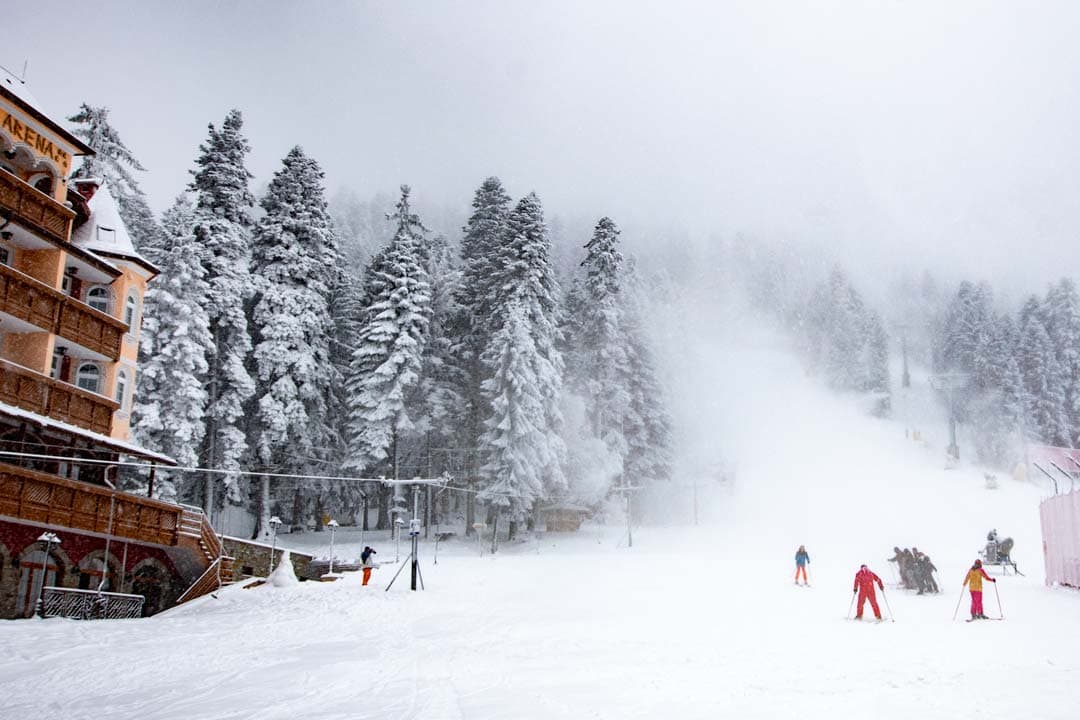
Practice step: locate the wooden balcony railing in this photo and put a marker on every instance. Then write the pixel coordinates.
(61, 401)
(90, 328)
(33, 208)
(29, 300)
(59, 502)
(35, 302)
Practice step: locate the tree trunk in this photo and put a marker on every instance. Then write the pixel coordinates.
(262, 527)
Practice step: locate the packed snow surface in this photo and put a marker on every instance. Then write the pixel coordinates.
(691, 622)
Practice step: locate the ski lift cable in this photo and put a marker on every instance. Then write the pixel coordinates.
(444, 482)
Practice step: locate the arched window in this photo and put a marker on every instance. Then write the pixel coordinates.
(131, 310)
(88, 377)
(121, 387)
(98, 298)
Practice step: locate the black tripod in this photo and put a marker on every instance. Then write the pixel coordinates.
(414, 557)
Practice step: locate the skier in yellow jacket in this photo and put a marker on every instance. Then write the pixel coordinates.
(974, 582)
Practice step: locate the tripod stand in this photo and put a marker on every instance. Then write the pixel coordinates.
(415, 560)
(414, 555)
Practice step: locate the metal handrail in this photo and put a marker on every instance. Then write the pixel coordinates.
(79, 604)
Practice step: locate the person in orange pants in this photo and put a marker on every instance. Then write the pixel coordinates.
(802, 559)
(973, 582)
(864, 585)
(366, 563)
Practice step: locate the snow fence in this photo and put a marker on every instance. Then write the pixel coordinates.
(1060, 516)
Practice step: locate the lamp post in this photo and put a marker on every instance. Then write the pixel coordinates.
(333, 525)
(275, 522)
(48, 538)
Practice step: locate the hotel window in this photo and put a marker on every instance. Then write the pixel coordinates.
(98, 298)
(121, 387)
(88, 377)
(131, 311)
(5, 256)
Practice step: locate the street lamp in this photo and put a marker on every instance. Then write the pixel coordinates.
(48, 538)
(333, 525)
(275, 523)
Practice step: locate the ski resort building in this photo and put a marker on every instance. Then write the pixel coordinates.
(71, 293)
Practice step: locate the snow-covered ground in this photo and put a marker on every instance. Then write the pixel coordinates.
(689, 623)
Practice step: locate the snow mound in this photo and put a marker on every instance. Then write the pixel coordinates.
(284, 575)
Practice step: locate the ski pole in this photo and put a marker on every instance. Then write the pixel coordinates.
(848, 617)
(885, 597)
(958, 601)
(1001, 613)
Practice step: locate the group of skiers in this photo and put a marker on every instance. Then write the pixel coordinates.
(914, 567)
(916, 570)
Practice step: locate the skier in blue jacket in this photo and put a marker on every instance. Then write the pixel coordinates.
(802, 559)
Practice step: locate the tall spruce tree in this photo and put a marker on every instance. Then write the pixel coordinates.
(222, 226)
(1062, 310)
(1044, 385)
(294, 258)
(114, 162)
(388, 358)
(169, 413)
(525, 284)
(603, 343)
(515, 432)
(481, 243)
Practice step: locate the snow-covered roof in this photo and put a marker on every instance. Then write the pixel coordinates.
(105, 232)
(112, 443)
(18, 89)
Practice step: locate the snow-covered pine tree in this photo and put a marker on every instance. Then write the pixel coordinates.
(1044, 385)
(388, 357)
(1062, 309)
(169, 412)
(999, 413)
(115, 163)
(222, 226)
(481, 243)
(515, 434)
(438, 404)
(294, 259)
(647, 426)
(524, 278)
(604, 362)
(876, 362)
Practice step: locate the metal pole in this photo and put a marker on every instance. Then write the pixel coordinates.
(414, 532)
(273, 545)
(332, 528)
(629, 530)
(44, 572)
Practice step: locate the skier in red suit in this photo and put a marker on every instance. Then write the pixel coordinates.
(864, 585)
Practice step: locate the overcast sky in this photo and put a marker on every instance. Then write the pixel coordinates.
(944, 131)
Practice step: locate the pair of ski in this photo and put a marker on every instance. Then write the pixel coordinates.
(983, 618)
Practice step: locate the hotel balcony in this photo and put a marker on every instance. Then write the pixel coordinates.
(61, 503)
(37, 393)
(42, 307)
(34, 209)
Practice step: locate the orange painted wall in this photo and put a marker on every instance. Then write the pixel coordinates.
(31, 350)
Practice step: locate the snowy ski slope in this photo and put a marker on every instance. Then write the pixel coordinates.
(690, 623)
